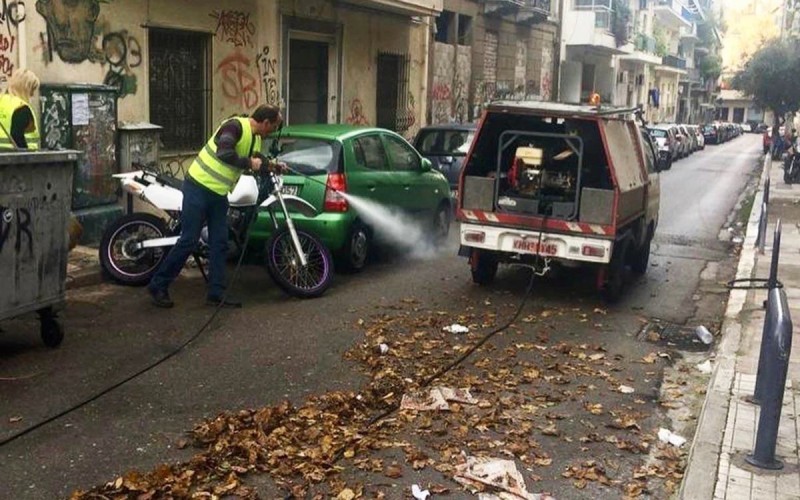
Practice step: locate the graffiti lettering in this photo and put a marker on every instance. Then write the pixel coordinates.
(238, 83)
(440, 92)
(55, 120)
(269, 76)
(357, 113)
(121, 52)
(12, 13)
(7, 46)
(21, 218)
(234, 27)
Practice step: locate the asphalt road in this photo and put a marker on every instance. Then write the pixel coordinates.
(278, 347)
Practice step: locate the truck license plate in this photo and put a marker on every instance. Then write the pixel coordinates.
(289, 190)
(533, 246)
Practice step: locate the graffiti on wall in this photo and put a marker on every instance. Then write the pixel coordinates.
(11, 15)
(546, 78)
(356, 116)
(55, 119)
(234, 27)
(121, 52)
(239, 83)
(70, 27)
(268, 68)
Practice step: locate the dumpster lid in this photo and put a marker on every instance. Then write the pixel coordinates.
(33, 157)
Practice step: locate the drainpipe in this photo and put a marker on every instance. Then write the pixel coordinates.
(556, 91)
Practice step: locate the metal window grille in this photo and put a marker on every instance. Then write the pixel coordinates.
(179, 87)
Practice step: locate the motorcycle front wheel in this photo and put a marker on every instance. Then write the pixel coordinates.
(283, 264)
(119, 257)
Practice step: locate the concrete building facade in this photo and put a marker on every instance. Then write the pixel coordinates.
(491, 49)
(185, 65)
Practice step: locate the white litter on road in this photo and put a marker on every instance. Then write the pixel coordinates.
(705, 366)
(456, 328)
(419, 493)
(501, 475)
(625, 389)
(667, 436)
(436, 399)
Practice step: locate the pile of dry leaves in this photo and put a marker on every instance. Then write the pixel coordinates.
(518, 398)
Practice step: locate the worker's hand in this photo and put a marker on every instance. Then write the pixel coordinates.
(278, 167)
(255, 164)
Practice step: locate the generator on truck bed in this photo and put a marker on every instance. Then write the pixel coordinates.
(555, 184)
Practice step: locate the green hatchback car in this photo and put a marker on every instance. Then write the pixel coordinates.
(370, 163)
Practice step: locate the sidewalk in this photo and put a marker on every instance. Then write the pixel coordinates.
(83, 268)
(727, 424)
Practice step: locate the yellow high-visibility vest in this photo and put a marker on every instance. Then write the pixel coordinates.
(8, 105)
(218, 176)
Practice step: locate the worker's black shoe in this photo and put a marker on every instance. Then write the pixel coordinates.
(226, 302)
(160, 298)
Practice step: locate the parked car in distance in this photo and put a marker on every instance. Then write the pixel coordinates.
(371, 163)
(701, 140)
(690, 139)
(665, 137)
(446, 146)
(712, 133)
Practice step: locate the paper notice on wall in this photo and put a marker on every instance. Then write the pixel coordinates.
(80, 109)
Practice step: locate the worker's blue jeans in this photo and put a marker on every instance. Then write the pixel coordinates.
(199, 205)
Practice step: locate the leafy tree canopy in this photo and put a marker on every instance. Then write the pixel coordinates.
(770, 76)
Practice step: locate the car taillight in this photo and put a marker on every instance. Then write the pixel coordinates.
(334, 201)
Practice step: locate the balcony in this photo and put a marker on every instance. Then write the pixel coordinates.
(591, 32)
(674, 62)
(673, 14)
(593, 5)
(500, 8)
(534, 11)
(411, 8)
(689, 33)
(692, 76)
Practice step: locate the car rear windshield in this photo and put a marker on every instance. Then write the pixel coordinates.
(444, 142)
(308, 156)
(656, 132)
(708, 128)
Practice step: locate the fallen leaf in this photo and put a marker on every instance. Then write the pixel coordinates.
(346, 494)
(393, 471)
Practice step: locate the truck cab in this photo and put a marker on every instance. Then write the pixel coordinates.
(548, 184)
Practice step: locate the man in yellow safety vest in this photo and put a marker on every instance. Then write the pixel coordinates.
(231, 150)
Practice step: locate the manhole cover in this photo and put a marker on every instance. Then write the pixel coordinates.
(672, 335)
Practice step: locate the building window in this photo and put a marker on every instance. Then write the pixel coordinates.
(445, 27)
(179, 87)
(464, 30)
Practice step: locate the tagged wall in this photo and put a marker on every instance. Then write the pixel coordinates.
(104, 41)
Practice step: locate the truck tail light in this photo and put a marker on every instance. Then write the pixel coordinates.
(334, 187)
(475, 236)
(593, 251)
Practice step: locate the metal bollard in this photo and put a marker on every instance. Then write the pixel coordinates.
(766, 191)
(766, 333)
(779, 349)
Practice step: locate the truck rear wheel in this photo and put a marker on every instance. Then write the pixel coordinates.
(615, 275)
(484, 267)
(640, 259)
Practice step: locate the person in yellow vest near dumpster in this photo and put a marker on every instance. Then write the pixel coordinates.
(18, 126)
(215, 171)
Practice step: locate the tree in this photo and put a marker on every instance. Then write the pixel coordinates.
(770, 76)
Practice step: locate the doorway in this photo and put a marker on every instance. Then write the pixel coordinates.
(308, 77)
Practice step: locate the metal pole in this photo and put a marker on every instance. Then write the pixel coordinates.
(780, 348)
(766, 191)
(767, 337)
(776, 255)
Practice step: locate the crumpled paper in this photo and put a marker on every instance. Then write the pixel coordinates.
(500, 475)
(436, 399)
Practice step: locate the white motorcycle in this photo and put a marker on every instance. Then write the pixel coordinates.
(134, 246)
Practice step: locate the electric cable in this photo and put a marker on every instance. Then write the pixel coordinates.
(147, 368)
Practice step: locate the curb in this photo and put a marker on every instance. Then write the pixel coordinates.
(88, 276)
(700, 477)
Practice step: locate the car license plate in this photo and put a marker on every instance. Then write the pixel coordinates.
(533, 246)
(290, 190)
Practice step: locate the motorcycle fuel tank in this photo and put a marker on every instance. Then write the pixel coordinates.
(245, 193)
